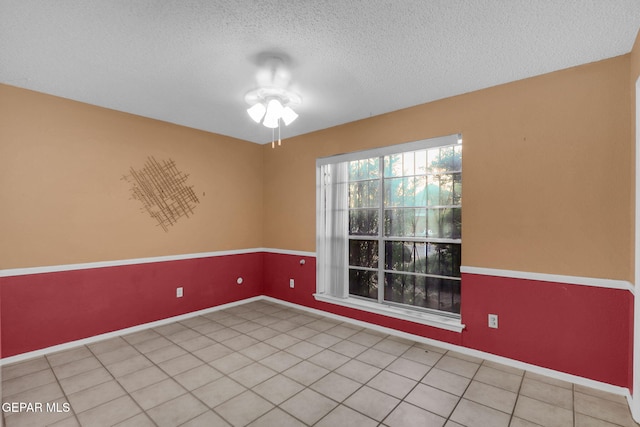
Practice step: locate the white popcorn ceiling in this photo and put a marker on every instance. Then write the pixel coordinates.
(191, 62)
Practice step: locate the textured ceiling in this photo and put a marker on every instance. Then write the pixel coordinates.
(191, 62)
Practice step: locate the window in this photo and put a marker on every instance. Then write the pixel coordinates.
(389, 226)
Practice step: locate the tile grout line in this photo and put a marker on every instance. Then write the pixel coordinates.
(418, 382)
(227, 375)
(461, 395)
(64, 393)
(205, 363)
(171, 376)
(189, 352)
(119, 384)
(515, 404)
(305, 387)
(573, 404)
(400, 400)
(361, 386)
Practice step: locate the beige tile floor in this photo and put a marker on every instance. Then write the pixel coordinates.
(265, 364)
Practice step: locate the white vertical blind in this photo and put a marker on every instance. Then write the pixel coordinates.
(333, 230)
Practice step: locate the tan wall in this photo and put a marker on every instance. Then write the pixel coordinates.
(62, 199)
(546, 171)
(634, 76)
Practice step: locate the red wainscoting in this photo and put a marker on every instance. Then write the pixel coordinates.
(42, 310)
(576, 329)
(580, 330)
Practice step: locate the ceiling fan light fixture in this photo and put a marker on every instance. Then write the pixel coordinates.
(274, 112)
(259, 100)
(288, 115)
(256, 112)
(270, 103)
(274, 107)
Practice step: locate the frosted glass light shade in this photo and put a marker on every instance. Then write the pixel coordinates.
(288, 116)
(256, 112)
(274, 112)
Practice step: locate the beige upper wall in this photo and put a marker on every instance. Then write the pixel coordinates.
(63, 201)
(634, 59)
(546, 171)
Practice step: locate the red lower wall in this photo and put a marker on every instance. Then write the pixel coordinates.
(581, 330)
(42, 310)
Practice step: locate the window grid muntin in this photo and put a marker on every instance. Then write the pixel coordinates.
(455, 178)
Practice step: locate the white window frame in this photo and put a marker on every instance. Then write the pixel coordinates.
(332, 282)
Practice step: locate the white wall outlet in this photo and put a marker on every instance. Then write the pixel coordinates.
(493, 321)
(179, 292)
(292, 283)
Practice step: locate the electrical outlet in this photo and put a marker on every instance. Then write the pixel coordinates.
(179, 292)
(493, 321)
(292, 283)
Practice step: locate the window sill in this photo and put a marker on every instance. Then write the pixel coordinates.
(428, 319)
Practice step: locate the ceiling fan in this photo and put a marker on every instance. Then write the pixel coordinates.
(271, 102)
